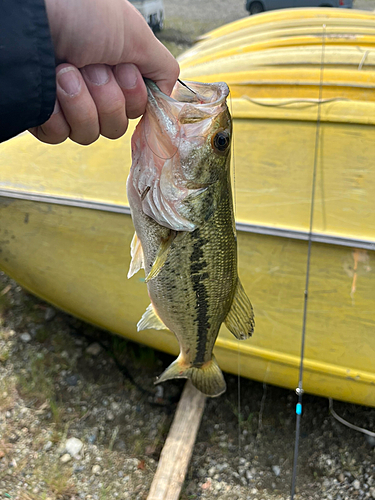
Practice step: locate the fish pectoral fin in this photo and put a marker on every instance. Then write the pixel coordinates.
(161, 256)
(150, 320)
(240, 319)
(208, 378)
(136, 253)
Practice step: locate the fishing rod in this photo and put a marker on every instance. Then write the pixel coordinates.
(299, 389)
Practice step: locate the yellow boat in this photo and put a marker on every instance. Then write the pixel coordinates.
(291, 27)
(279, 54)
(291, 18)
(65, 229)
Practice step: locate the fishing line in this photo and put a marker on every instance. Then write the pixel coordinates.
(299, 390)
(239, 396)
(348, 424)
(184, 85)
(233, 161)
(238, 342)
(288, 102)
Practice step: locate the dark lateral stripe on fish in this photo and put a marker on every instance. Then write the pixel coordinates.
(199, 288)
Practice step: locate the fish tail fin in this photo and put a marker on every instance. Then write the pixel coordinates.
(208, 378)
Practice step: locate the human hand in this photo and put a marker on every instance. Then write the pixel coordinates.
(108, 48)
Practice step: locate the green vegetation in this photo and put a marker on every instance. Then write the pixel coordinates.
(36, 382)
(58, 479)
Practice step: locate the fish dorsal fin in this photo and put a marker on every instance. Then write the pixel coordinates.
(136, 253)
(150, 320)
(162, 253)
(240, 319)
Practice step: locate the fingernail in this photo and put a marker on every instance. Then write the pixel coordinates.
(57, 108)
(126, 75)
(69, 81)
(97, 74)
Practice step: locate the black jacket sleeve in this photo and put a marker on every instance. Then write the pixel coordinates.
(27, 66)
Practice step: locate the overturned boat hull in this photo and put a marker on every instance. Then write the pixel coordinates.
(65, 232)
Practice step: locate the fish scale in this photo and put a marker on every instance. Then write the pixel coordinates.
(194, 283)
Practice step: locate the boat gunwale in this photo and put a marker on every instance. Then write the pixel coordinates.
(244, 227)
(282, 358)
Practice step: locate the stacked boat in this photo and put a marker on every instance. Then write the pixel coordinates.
(302, 87)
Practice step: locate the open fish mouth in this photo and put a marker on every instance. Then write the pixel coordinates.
(197, 93)
(190, 103)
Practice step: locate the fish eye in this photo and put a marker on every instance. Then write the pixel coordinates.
(221, 141)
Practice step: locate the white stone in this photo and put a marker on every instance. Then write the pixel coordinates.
(96, 470)
(73, 446)
(249, 475)
(94, 349)
(276, 470)
(356, 484)
(65, 458)
(217, 486)
(110, 416)
(49, 314)
(48, 446)
(25, 337)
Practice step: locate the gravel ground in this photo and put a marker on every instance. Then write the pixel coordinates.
(80, 417)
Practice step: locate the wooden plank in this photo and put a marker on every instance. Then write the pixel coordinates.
(175, 456)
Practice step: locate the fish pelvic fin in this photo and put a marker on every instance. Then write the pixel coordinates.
(136, 253)
(208, 378)
(240, 319)
(150, 319)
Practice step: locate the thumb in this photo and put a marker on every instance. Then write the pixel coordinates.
(160, 66)
(152, 58)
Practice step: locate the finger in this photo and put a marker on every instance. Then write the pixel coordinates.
(55, 130)
(161, 67)
(77, 104)
(108, 98)
(131, 82)
(151, 57)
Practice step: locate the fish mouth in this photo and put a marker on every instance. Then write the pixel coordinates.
(190, 103)
(207, 99)
(197, 93)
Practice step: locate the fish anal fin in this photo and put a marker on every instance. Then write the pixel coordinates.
(208, 378)
(136, 253)
(161, 256)
(150, 320)
(240, 319)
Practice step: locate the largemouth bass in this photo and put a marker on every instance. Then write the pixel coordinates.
(179, 192)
